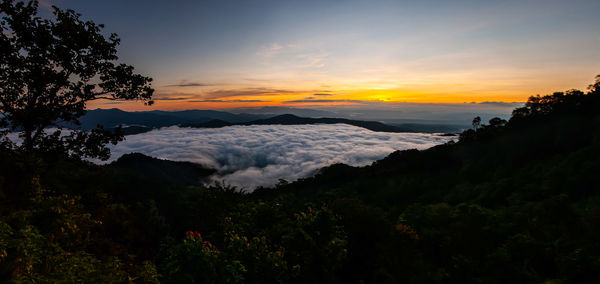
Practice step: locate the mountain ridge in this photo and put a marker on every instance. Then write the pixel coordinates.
(290, 119)
(143, 121)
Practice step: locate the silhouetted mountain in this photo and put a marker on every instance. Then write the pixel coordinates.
(290, 119)
(135, 129)
(110, 118)
(517, 200)
(431, 127)
(215, 123)
(140, 122)
(279, 110)
(172, 172)
(194, 116)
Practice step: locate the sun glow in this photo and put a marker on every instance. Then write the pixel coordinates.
(338, 92)
(308, 98)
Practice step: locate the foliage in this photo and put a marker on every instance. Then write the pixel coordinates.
(300, 247)
(199, 261)
(50, 240)
(50, 70)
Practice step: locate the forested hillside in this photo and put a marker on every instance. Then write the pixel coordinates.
(511, 201)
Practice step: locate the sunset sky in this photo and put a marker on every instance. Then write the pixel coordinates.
(222, 54)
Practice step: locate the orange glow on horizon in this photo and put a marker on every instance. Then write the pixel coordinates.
(303, 99)
(301, 90)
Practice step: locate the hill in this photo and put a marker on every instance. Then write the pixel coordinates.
(110, 118)
(174, 173)
(513, 201)
(290, 119)
(271, 111)
(140, 122)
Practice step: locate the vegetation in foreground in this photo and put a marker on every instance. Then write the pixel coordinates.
(511, 201)
(514, 201)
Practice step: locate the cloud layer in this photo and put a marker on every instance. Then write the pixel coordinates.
(259, 155)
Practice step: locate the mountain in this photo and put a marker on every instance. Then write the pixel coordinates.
(206, 115)
(290, 119)
(431, 127)
(279, 110)
(110, 118)
(172, 172)
(510, 202)
(143, 121)
(215, 123)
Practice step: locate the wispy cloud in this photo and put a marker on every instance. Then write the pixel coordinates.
(226, 101)
(504, 104)
(259, 80)
(243, 92)
(312, 60)
(292, 56)
(310, 100)
(270, 50)
(322, 94)
(189, 84)
(169, 98)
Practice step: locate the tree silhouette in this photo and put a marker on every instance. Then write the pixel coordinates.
(595, 88)
(476, 122)
(497, 122)
(50, 69)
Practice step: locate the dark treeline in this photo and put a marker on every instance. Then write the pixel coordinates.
(511, 201)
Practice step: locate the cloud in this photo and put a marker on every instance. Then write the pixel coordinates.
(311, 100)
(169, 99)
(322, 94)
(292, 56)
(226, 101)
(504, 104)
(190, 84)
(259, 155)
(243, 92)
(270, 50)
(313, 59)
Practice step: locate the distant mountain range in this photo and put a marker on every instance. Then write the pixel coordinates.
(140, 122)
(153, 119)
(279, 110)
(290, 119)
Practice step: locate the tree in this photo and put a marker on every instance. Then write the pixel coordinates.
(50, 69)
(476, 122)
(497, 122)
(595, 88)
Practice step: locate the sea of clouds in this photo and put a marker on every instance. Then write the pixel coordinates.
(260, 155)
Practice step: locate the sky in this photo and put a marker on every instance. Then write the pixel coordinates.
(232, 54)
